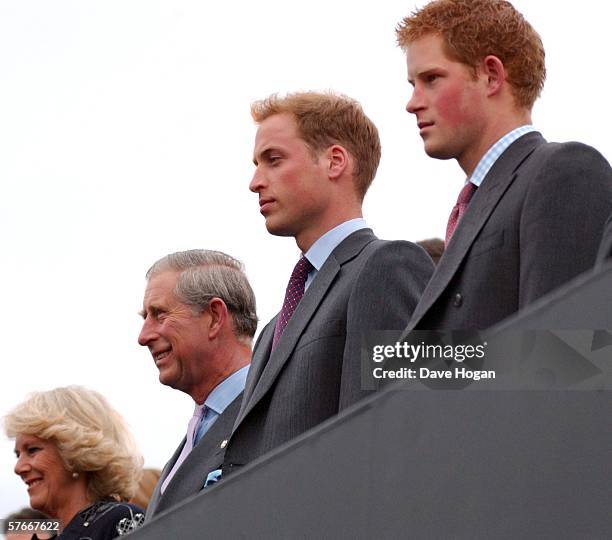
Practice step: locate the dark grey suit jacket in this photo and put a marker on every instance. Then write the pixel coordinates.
(204, 458)
(365, 284)
(534, 223)
(605, 248)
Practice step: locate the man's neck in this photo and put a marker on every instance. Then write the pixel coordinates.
(499, 126)
(307, 238)
(235, 357)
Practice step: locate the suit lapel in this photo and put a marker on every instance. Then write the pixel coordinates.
(189, 478)
(267, 372)
(155, 497)
(495, 184)
(260, 355)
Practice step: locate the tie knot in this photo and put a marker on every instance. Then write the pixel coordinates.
(302, 269)
(199, 411)
(459, 209)
(466, 193)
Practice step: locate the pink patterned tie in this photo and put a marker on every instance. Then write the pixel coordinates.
(293, 295)
(459, 209)
(198, 414)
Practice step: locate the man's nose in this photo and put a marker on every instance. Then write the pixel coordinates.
(415, 103)
(147, 332)
(257, 182)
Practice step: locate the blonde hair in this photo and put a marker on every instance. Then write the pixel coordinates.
(146, 487)
(324, 119)
(91, 437)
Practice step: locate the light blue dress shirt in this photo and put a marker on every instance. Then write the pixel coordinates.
(217, 401)
(322, 248)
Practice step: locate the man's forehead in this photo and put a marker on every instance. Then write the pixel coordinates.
(426, 52)
(161, 285)
(275, 129)
(278, 122)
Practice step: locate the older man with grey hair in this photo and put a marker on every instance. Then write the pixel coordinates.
(199, 320)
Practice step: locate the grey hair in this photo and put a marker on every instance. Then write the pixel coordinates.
(206, 274)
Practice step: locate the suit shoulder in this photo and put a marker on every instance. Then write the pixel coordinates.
(397, 247)
(395, 265)
(572, 156)
(389, 251)
(555, 165)
(573, 147)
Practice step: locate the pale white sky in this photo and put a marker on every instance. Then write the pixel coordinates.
(125, 134)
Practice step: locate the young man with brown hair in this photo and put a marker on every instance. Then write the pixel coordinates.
(315, 156)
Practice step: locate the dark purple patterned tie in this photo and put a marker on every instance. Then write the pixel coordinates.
(459, 209)
(293, 295)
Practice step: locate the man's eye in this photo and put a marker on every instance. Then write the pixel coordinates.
(153, 313)
(432, 77)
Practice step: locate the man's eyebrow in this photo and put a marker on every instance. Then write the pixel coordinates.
(263, 154)
(430, 70)
(152, 309)
(425, 72)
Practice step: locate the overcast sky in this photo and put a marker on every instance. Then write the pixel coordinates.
(125, 134)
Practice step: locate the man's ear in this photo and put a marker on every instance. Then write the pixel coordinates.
(218, 315)
(338, 161)
(495, 73)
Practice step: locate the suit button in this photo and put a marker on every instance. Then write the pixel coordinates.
(458, 300)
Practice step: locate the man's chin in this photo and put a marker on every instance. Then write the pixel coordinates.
(277, 229)
(431, 150)
(167, 379)
(435, 152)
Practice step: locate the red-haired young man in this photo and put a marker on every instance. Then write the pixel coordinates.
(531, 213)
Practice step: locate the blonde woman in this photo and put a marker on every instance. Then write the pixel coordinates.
(78, 461)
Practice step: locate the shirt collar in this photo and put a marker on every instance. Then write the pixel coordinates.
(227, 391)
(488, 160)
(321, 249)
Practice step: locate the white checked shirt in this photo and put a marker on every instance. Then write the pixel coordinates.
(488, 160)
